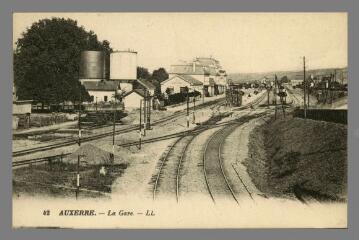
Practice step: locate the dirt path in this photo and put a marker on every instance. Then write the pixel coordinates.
(235, 151)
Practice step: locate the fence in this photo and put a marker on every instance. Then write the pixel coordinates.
(328, 115)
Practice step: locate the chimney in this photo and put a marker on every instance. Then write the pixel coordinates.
(194, 66)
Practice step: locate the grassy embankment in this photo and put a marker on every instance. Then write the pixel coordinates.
(292, 154)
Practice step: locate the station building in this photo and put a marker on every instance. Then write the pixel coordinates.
(208, 71)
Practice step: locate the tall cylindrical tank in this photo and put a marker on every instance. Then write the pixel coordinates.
(123, 65)
(92, 65)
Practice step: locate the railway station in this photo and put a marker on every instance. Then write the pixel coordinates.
(188, 124)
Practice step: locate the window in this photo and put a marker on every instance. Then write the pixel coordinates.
(105, 98)
(183, 89)
(170, 90)
(92, 98)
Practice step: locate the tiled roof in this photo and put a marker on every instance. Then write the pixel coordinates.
(101, 85)
(146, 84)
(191, 80)
(139, 91)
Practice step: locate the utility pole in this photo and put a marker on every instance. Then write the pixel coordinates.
(304, 89)
(308, 93)
(96, 104)
(144, 115)
(268, 89)
(78, 156)
(204, 78)
(140, 130)
(335, 75)
(187, 109)
(194, 110)
(149, 111)
(114, 127)
(275, 96)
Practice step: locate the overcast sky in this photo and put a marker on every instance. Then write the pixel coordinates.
(242, 42)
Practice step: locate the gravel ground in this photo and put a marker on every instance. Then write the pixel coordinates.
(138, 177)
(234, 152)
(192, 184)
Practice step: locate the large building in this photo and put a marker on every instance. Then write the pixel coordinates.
(206, 70)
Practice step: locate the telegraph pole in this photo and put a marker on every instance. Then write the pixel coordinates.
(114, 128)
(194, 109)
(78, 156)
(275, 97)
(304, 89)
(308, 93)
(140, 130)
(144, 115)
(187, 109)
(149, 112)
(268, 89)
(96, 104)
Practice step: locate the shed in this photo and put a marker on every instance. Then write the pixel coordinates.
(133, 98)
(102, 91)
(178, 83)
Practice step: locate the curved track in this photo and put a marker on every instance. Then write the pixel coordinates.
(216, 180)
(171, 166)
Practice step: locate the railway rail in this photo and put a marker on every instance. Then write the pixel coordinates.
(176, 151)
(296, 99)
(103, 135)
(215, 177)
(171, 164)
(129, 144)
(135, 143)
(39, 160)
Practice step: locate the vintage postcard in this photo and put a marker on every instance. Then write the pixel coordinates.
(180, 120)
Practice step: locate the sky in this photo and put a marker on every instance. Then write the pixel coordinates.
(242, 42)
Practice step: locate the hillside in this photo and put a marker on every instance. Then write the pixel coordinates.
(244, 77)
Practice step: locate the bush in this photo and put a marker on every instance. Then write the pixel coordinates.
(180, 97)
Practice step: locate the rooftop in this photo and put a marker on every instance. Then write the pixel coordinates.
(146, 83)
(139, 91)
(191, 80)
(101, 85)
(188, 69)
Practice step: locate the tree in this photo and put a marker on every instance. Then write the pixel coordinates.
(158, 76)
(47, 59)
(143, 73)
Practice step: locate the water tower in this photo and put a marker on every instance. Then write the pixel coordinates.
(123, 68)
(93, 66)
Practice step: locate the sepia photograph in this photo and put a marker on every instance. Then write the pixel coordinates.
(180, 120)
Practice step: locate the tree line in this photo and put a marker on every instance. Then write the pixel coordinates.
(47, 58)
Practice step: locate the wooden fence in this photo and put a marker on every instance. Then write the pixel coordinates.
(328, 115)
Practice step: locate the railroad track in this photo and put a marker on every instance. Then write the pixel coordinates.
(216, 180)
(103, 135)
(298, 101)
(248, 105)
(39, 160)
(171, 166)
(129, 144)
(146, 141)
